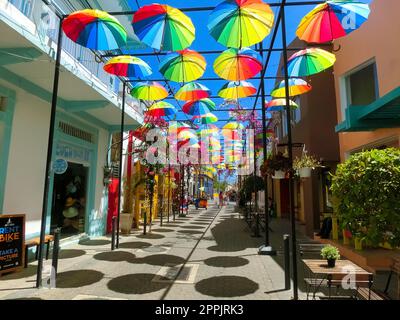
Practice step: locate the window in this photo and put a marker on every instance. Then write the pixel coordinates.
(296, 114)
(361, 86)
(27, 8)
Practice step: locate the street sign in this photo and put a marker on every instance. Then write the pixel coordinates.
(12, 242)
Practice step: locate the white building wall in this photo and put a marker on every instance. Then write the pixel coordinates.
(27, 159)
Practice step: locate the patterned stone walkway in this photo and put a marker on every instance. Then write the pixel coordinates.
(206, 255)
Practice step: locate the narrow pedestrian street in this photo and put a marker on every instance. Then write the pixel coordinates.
(212, 251)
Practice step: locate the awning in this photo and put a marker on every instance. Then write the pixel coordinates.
(383, 113)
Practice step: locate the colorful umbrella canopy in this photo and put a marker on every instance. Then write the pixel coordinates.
(240, 23)
(127, 66)
(236, 90)
(187, 134)
(183, 66)
(237, 64)
(332, 20)
(149, 91)
(95, 29)
(280, 104)
(192, 91)
(161, 109)
(233, 126)
(163, 27)
(199, 107)
(207, 129)
(206, 118)
(310, 61)
(296, 87)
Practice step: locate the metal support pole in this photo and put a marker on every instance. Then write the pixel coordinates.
(56, 250)
(169, 191)
(49, 156)
(257, 227)
(113, 233)
(289, 129)
(266, 249)
(286, 252)
(120, 160)
(182, 188)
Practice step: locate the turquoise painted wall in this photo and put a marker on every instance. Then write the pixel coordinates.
(6, 118)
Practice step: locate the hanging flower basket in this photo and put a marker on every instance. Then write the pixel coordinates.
(276, 166)
(305, 165)
(279, 175)
(305, 172)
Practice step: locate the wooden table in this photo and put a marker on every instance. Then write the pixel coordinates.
(320, 271)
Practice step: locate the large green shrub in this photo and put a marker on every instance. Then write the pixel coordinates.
(367, 192)
(250, 184)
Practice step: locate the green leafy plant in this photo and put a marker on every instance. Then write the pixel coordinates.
(305, 161)
(330, 253)
(367, 190)
(275, 163)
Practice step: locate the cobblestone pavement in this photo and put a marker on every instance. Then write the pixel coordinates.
(212, 252)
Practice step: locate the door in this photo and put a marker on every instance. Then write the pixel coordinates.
(69, 200)
(285, 199)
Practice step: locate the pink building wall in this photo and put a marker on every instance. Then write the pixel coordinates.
(379, 39)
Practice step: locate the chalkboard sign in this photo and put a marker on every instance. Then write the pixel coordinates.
(12, 242)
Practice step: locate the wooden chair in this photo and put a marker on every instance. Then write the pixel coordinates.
(313, 251)
(35, 242)
(370, 294)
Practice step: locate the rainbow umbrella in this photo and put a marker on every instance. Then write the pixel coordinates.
(206, 118)
(186, 134)
(183, 66)
(296, 87)
(207, 129)
(192, 91)
(149, 91)
(95, 29)
(163, 27)
(233, 126)
(127, 66)
(240, 23)
(310, 61)
(332, 20)
(237, 64)
(236, 90)
(161, 109)
(199, 107)
(280, 104)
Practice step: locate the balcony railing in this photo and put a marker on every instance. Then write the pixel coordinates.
(47, 25)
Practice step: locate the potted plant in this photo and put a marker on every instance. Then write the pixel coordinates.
(305, 165)
(331, 254)
(276, 166)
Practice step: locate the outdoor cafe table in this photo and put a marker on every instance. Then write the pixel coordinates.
(320, 271)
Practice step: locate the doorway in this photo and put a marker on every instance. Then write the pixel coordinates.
(69, 200)
(284, 193)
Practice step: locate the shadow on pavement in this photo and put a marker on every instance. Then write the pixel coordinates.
(78, 278)
(115, 256)
(25, 273)
(226, 286)
(150, 236)
(230, 236)
(70, 253)
(139, 283)
(163, 230)
(159, 260)
(98, 242)
(134, 245)
(226, 262)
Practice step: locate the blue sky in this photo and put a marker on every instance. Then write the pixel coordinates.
(204, 41)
